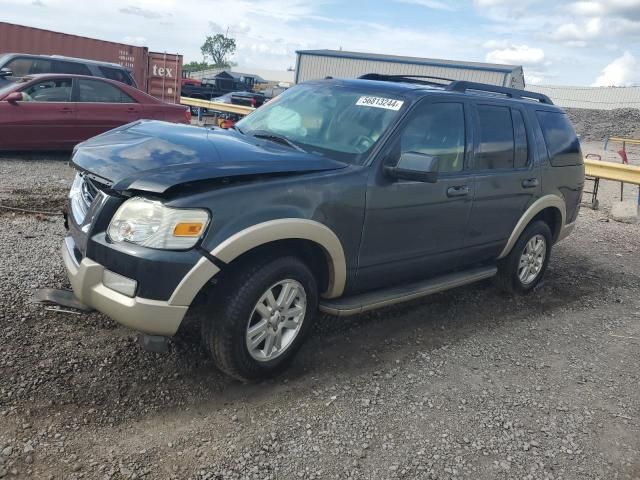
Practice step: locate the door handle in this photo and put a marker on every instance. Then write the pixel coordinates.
(530, 183)
(66, 110)
(458, 191)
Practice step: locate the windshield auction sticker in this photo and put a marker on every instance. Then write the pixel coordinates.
(380, 102)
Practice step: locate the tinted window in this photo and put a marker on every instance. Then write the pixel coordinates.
(562, 143)
(435, 129)
(58, 90)
(71, 68)
(19, 66)
(496, 142)
(39, 65)
(520, 134)
(116, 74)
(101, 92)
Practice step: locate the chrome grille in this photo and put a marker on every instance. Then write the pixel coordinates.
(81, 196)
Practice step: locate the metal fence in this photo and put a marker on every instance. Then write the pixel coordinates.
(598, 98)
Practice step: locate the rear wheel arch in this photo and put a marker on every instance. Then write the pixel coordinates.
(550, 208)
(552, 216)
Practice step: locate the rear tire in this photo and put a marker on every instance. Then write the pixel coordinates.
(525, 266)
(249, 330)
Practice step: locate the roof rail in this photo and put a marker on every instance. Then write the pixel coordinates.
(421, 79)
(462, 86)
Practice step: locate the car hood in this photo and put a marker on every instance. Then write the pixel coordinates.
(155, 156)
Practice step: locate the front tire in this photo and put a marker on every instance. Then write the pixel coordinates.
(525, 266)
(254, 326)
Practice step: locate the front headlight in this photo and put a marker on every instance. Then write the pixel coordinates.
(150, 224)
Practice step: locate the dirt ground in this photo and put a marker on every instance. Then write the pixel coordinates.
(470, 383)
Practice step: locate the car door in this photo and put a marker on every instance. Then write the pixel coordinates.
(44, 119)
(506, 179)
(102, 106)
(414, 230)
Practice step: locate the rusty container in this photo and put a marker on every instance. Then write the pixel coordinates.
(164, 76)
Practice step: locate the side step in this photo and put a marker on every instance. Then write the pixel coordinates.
(346, 306)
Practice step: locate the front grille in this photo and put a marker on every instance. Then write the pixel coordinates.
(83, 193)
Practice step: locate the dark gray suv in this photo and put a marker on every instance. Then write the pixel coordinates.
(14, 66)
(338, 195)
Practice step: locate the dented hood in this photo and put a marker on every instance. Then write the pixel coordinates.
(155, 156)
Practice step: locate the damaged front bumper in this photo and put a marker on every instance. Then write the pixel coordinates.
(154, 317)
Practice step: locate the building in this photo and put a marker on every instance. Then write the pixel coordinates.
(597, 98)
(316, 64)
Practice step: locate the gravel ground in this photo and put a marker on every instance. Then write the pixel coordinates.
(543, 386)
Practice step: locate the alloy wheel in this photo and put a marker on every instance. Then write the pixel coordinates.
(276, 320)
(532, 259)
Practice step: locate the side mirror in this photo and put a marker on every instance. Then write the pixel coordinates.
(415, 166)
(14, 97)
(5, 72)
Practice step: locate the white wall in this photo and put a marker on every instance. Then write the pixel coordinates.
(599, 98)
(313, 67)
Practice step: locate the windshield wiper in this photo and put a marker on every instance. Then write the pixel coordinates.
(237, 129)
(279, 139)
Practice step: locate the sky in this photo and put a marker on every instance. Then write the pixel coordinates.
(589, 43)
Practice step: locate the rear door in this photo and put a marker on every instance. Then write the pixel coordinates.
(45, 119)
(103, 106)
(506, 179)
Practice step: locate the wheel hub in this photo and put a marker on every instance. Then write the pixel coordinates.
(532, 259)
(276, 320)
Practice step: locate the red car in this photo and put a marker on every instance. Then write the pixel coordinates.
(55, 112)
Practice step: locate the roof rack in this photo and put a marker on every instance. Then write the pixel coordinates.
(462, 86)
(420, 79)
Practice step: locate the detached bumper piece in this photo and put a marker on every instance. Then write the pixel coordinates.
(154, 317)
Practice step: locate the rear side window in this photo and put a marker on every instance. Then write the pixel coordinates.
(496, 138)
(562, 143)
(116, 74)
(71, 68)
(95, 91)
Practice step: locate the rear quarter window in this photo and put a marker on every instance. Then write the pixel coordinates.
(116, 74)
(562, 142)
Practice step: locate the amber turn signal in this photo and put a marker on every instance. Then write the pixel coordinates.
(187, 229)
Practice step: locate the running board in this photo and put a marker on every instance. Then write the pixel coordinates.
(346, 306)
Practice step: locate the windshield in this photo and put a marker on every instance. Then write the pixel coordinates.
(338, 121)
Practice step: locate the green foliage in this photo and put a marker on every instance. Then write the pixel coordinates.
(196, 66)
(218, 49)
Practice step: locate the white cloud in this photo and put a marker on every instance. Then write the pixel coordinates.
(599, 8)
(433, 4)
(516, 55)
(623, 71)
(572, 32)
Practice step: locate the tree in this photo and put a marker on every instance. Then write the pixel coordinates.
(218, 48)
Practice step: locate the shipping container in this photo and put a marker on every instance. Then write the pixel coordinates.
(158, 74)
(316, 64)
(164, 76)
